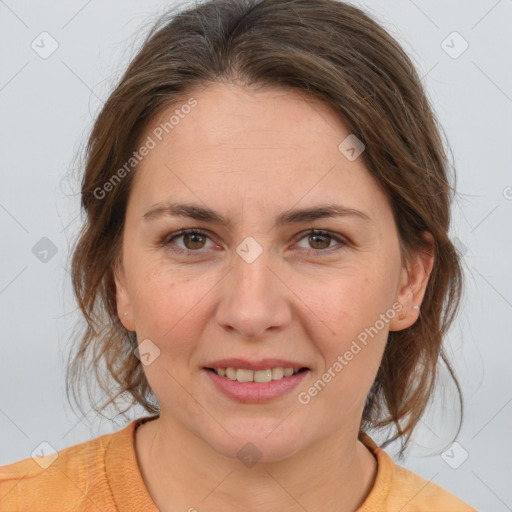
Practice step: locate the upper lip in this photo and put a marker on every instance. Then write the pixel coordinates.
(262, 364)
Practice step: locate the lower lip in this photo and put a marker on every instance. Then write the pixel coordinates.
(255, 392)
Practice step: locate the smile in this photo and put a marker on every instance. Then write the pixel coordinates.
(255, 386)
(245, 375)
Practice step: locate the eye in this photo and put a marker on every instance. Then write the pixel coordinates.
(194, 240)
(320, 240)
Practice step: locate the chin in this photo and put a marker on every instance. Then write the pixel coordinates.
(260, 442)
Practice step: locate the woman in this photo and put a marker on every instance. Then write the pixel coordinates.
(265, 268)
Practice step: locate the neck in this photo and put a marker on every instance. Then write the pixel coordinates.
(181, 472)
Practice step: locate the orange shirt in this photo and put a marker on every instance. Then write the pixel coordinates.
(102, 475)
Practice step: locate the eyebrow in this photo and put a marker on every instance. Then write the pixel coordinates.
(293, 216)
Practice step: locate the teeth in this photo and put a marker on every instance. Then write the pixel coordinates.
(263, 376)
(277, 373)
(244, 375)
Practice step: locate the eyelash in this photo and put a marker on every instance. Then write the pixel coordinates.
(194, 231)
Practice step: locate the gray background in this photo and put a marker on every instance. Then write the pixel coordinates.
(47, 106)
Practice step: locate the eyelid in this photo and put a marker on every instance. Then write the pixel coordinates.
(317, 231)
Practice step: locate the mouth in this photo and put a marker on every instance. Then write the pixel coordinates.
(255, 386)
(257, 376)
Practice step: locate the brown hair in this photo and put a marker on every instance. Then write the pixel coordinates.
(333, 52)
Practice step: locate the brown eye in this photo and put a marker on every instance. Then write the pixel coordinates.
(196, 240)
(319, 241)
(193, 240)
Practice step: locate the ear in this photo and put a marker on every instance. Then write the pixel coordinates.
(413, 284)
(122, 296)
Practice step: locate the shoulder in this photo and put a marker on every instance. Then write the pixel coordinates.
(56, 480)
(399, 489)
(413, 493)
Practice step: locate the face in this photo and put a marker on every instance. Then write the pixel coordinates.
(264, 283)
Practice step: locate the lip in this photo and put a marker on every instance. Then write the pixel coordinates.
(255, 392)
(262, 364)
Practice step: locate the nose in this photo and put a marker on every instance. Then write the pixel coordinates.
(254, 297)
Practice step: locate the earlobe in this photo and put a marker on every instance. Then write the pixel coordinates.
(413, 285)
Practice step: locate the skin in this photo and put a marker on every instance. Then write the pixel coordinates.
(251, 154)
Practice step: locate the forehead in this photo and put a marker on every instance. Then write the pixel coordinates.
(270, 144)
(227, 116)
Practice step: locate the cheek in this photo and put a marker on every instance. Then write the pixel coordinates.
(169, 305)
(353, 315)
(352, 301)
(169, 312)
